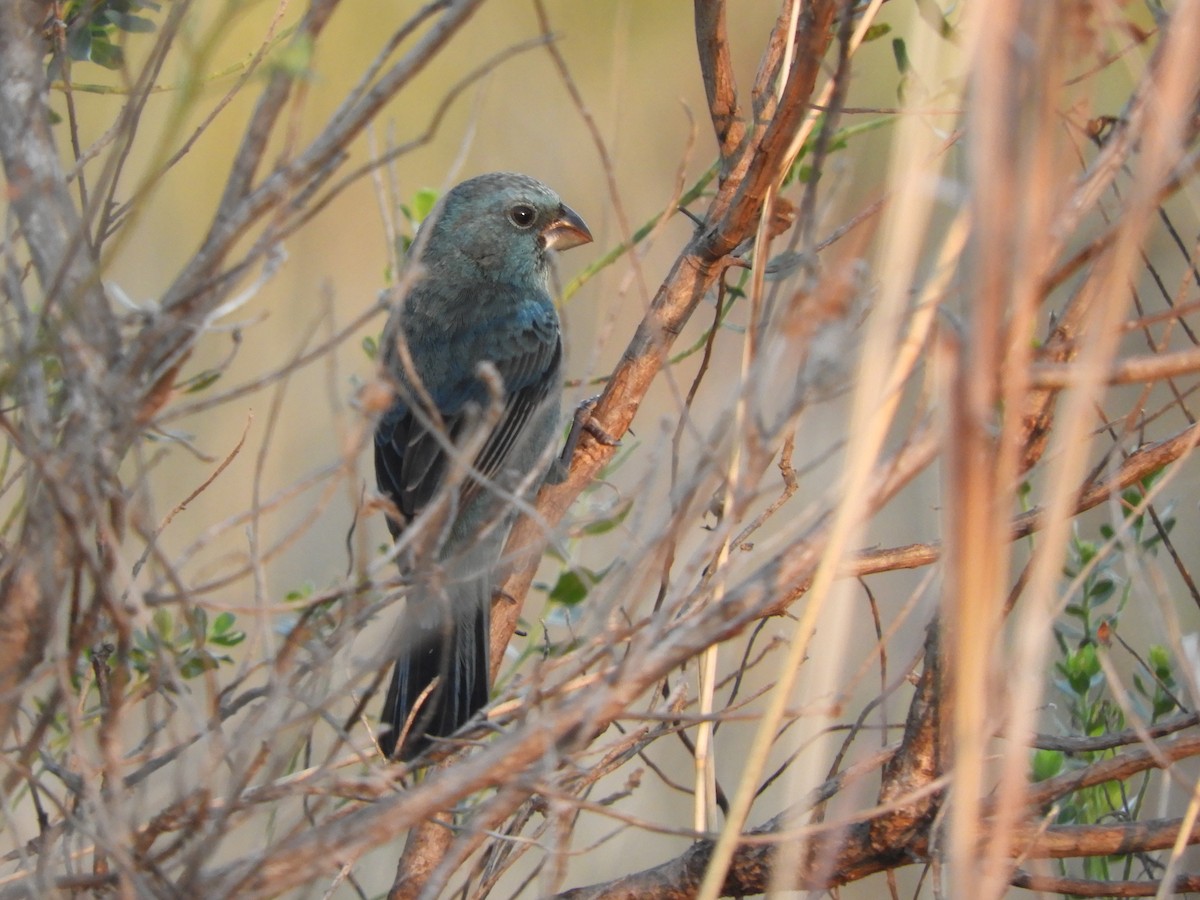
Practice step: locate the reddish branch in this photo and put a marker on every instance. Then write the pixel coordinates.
(838, 856)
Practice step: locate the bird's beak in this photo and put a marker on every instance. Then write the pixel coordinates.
(567, 231)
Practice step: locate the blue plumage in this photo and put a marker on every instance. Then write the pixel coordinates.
(480, 306)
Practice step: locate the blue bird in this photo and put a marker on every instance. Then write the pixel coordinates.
(474, 353)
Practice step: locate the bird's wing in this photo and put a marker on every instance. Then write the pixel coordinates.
(410, 459)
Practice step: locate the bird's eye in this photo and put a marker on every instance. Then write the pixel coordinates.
(522, 215)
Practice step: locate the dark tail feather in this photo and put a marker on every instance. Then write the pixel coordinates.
(457, 655)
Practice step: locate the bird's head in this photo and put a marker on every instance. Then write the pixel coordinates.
(505, 223)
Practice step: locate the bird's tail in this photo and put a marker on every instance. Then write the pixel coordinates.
(441, 676)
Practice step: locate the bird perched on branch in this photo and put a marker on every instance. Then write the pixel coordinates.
(473, 351)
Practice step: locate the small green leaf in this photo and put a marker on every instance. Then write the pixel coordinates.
(900, 54)
(164, 625)
(423, 204)
(371, 347)
(199, 623)
(1047, 764)
(1160, 662)
(228, 639)
(303, 592)
(570, 588)
(296, 58)
(875, 32)
(1162, 705)
(223, 633)
(129, 22)
(1102, 590)
(1089, 663)
(105, 53)
(79, 42)
(144, 641)
(607, 524)
(194, 663)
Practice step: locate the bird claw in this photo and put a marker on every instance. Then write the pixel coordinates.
(583, 422)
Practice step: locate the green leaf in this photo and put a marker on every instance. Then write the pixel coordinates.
(607, 524)
(164, 625)
(79, 42)
(129, 22)
(199, 622)
(194, 663)
(423, 203)
(296, 58)
(143, 641)
(875, 32)
(1102, 590)
(1047, 764)
(570, 589)
(303, 592)
(900, 54)
(1089, 663)
(1086, 551)
(1162, 705)
(223, 633)
(105, 53)
(204, 379)
(1160, 661)
(371, 347)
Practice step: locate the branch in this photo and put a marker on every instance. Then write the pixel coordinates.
(1138, 369)
(1115, 739)
(716, 67)
(37, 186)
(1088, 887)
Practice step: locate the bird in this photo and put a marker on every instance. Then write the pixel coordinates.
(473, 353)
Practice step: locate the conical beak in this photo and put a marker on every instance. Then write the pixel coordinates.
(567, 231)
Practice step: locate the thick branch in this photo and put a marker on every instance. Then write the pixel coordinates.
(917, 763)
(37, 186)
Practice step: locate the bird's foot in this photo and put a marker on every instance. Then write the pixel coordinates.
(581, 423)
(584, 421)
